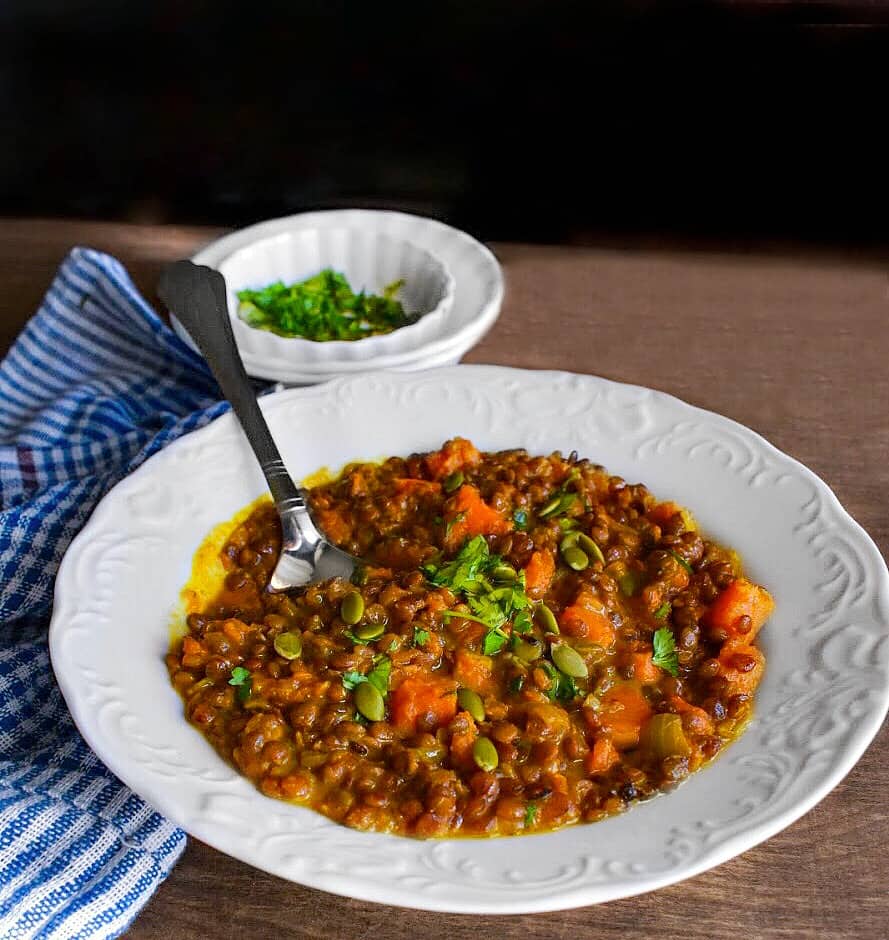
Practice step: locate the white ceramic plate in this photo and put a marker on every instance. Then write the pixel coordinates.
(478, 295)
(824, 694)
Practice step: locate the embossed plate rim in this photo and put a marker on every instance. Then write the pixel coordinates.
(747, 795)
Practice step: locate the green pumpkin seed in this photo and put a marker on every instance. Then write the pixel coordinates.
(569, 661)
(485, 754)
(528, 650)
(575, 558)
(547, 619)
(453, 481)
(369, 702)
(569, 541)
(590, 547)
(289, 645)
(504, 573)
(551, 506)
(352, 608)
(471, 702)
(369, 631)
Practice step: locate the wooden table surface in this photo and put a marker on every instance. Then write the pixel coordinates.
(795, 346)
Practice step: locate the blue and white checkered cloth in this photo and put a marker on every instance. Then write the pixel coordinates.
(95, 384)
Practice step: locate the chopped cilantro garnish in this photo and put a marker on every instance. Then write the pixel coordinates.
(530, 814)
(351, 679)
(239, 676)
(665, 651)
(493, 642)
(242, 680)
(378, 677)
(663, 611)
(521, 624)
(323, 307)
(463, 569)
(491, 606)
(520, 518)
(562, 688)
(421, 637)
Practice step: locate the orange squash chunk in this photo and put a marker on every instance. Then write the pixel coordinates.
(470, 515)
(586, 617)
(473, 671)
(740, 599)
(454, 455)
(428, 697)
(539, 573)
(623, 713)
(644, 669)
(602, 757)
(742, 666)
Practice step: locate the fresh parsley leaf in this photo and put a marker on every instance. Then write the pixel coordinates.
(486, 608)
(351, 679)
(421, 637)
(493, 607)
(520, 518)
(322, 307)
(240, 675)
(663, 611)
(493, 642)
(566, 689)
(243, 681)
(463, 569)
(562, 688)
(464, 615)
(530, 814)
(378, 677)
(521, 624)
(665, 651)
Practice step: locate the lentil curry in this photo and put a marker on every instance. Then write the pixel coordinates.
(533, 643)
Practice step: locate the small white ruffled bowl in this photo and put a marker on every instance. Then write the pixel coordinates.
(369, 261)
(266, 252)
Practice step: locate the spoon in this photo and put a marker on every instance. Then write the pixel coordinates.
(197, 296)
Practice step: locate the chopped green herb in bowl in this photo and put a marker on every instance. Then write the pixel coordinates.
(322, 308)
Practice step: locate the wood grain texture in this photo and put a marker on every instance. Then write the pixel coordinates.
(794, 346)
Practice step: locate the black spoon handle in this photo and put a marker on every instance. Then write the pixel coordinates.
(197, 296)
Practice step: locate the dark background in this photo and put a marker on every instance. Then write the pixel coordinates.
(545, 121)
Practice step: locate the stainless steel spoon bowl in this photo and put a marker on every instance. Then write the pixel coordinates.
(197, 296)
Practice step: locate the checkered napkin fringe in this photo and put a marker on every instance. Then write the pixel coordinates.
(94, 385)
